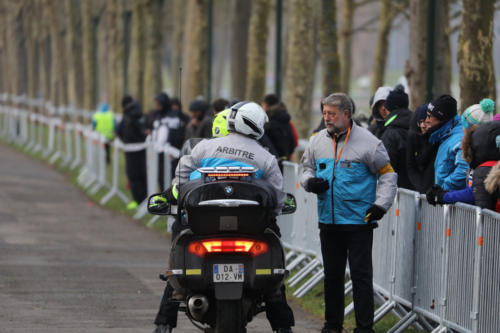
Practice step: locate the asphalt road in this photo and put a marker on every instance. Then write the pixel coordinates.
(67, 265)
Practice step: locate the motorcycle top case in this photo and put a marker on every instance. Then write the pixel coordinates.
(208, 219)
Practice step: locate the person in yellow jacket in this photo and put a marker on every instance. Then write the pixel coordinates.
(103, 122)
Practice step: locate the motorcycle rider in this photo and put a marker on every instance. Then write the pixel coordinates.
(245, 125)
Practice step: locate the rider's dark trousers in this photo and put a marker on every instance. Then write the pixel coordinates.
(278, 312)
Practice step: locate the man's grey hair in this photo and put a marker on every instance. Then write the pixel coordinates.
(341, 101)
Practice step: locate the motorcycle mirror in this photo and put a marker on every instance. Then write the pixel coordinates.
(290, 205)
(158, 204)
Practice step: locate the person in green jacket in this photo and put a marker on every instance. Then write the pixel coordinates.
(103, 122)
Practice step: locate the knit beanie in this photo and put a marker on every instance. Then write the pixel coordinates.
(443, 108)
(397, 99)
(478, 113)
(421, 113)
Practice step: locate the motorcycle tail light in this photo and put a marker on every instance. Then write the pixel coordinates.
(227, 245)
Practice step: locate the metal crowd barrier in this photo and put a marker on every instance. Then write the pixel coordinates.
(437, 268)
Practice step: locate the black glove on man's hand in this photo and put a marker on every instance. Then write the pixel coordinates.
(317, 185)
(374, 213)
(435, 195)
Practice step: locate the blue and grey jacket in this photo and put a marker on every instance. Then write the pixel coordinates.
(362, 176)
(231, 150)
(450, 169)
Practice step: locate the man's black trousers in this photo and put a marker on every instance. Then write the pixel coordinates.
(337, 246)
(278, 312)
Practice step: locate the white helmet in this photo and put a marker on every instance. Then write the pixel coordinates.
(247, 118)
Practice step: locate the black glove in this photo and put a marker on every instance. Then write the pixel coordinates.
(169, 194)
(374, 213)
(435, 195)
(317, 185)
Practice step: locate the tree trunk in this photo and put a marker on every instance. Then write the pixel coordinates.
(442, 47)
(177, 43)
(239, 44)
(58, 96)
(257, 50)
(328, 47)
(116, 53)
(153, 64)
(195, 51)
(137, 44)
(301, 63)
(16, 46)
(346, 44)
(88, 56)
(3, 44)
(74, 52)
(475, 53)
(415, 67)
(387, 14)
(30, 31)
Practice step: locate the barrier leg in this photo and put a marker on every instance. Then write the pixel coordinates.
(309, 284)
(404, 323)
(308, 268)
(296, 261)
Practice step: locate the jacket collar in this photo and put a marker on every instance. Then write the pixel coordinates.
(444, 131)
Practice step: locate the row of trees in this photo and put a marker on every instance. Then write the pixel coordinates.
(80, 51)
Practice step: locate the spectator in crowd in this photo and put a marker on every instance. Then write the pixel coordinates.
(270, 101)
(395, 133)
(480, 151)
(176, 105)
(279, 130)
(356, 185)
(131, 130)
(379, 112)
(201, 121)
(220, 104)
(420, 153)
(103, 122)
(444, 126)
(168, 127)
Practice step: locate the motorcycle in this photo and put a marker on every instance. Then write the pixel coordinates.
(228, 259)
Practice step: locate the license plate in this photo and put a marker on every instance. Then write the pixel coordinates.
(229, 273)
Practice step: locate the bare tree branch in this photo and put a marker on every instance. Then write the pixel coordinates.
(363, 2)
(401, 8)
(364, 25)
(453, 29)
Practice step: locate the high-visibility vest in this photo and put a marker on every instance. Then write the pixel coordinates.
(104, 124)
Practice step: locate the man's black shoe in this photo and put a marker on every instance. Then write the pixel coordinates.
(329, 330)
(163, 329)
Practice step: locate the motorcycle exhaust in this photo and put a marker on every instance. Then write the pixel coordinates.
(198, 306)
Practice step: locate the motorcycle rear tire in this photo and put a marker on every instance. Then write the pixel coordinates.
(229, 318)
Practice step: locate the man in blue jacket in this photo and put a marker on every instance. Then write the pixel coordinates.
(350, 171)
(450, 169)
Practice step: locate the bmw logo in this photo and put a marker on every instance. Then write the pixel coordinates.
(228, 190)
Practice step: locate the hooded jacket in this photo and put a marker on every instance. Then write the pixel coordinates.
(361, 176)
(420, 156)
(394, 139)
(378, 128)
(480, 146)
(450, 169)
(279, 130)
(131, 129)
